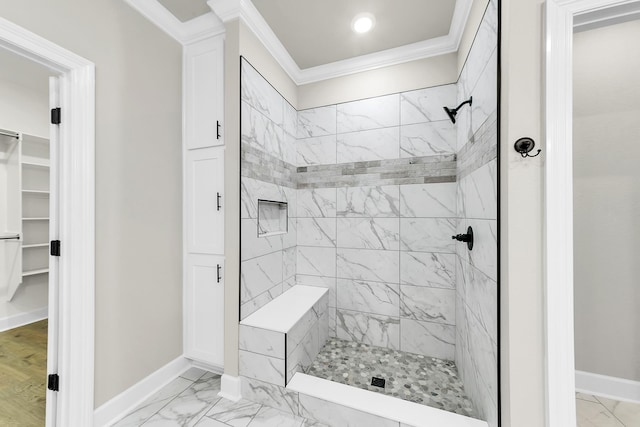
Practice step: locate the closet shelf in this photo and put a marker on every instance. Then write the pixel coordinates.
(35, 272)
(33, 163)
(35, 245)
(35, 192)
(35, 219)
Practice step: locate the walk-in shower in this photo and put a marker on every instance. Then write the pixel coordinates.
(363, 199)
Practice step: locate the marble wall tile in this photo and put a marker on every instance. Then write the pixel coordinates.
(321, 282)
(484, 255)
(316, 261)
(262, 341)
(261, 367)
(376, 144)
(485, 94)
(258, 93)
(319, 121)
(317, 232)
(428, 269)
(372, 113)
(426, 105)
(290, 152)
(479, 364)
(251, 190)
(261, 133)
(484, 44)
(480, 192)
(368, 297)
(290, 120)
(333, 315)
(253, 246)
(373, 265)
(428, 304)
(381, 331)
(339, 415)
(298, 333)
(256, 302)
(305, 352)
(427, 139)
(291, 197)
(290, 238)
(320, 150)
(437, 200)
(369, 201)
(429, 339)
(270, 395)
(480, 294)
(369, 233)
(289, 263)
(427, 234)
(260, 274)
(317, 203)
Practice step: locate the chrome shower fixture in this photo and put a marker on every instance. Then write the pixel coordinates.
(452, 112)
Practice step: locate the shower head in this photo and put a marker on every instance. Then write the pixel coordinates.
(452, 113)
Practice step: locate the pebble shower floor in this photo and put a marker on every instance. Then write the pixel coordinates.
(420, 379)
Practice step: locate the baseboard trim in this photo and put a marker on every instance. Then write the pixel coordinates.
(21, 319)
(118, 407)
(608, 387)
(230, 388)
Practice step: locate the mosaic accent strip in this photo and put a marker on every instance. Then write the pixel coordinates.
(264, 167)
(480, 149)
(415, 170)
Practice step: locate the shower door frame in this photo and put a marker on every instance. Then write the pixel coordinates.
(558, 204)
(72, 305)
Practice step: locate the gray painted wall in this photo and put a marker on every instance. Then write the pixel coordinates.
(138, 180)
(607, 200)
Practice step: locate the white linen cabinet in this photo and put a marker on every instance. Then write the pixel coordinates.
(203, 213)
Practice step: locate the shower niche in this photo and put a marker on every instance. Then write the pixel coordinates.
(361, 199)
(273, 218)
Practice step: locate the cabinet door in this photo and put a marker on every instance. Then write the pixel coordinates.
(204, 309)
(204, 211)
(203, 95)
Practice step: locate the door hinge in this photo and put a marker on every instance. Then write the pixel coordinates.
(55, 248)
(53, 383)
(55, 116)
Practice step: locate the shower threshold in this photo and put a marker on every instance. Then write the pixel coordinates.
(415, 378)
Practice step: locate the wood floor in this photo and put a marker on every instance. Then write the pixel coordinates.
(23, 371)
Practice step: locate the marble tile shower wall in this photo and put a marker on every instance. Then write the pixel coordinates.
(268, 129)
(476, 271)
(379, 239)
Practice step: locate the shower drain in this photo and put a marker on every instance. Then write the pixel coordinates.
(377, 382)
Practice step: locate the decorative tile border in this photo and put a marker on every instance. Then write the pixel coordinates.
(414, 170)
(262, 166)
(480, 149)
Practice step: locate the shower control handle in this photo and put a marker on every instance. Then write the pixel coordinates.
(466, 238)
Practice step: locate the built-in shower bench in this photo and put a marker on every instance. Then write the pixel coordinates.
(285, 335)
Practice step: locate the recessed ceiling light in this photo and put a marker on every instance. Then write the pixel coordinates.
(363, 22)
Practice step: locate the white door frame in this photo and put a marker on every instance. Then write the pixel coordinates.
(76, 223)
(558, 210)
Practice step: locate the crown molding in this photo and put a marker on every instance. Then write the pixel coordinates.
(245, 10)
(194, 30)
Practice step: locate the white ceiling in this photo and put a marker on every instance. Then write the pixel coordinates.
(318, 32)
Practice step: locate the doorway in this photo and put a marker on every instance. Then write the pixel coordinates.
(560, 18)
(71, 308)
(25, 280)
(606, 194)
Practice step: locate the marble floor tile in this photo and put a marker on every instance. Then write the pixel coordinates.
(269, 417)
(592, 414)
(184, 402)
(193, 373)
(628, 413)
(235, 414)
(587, 397)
